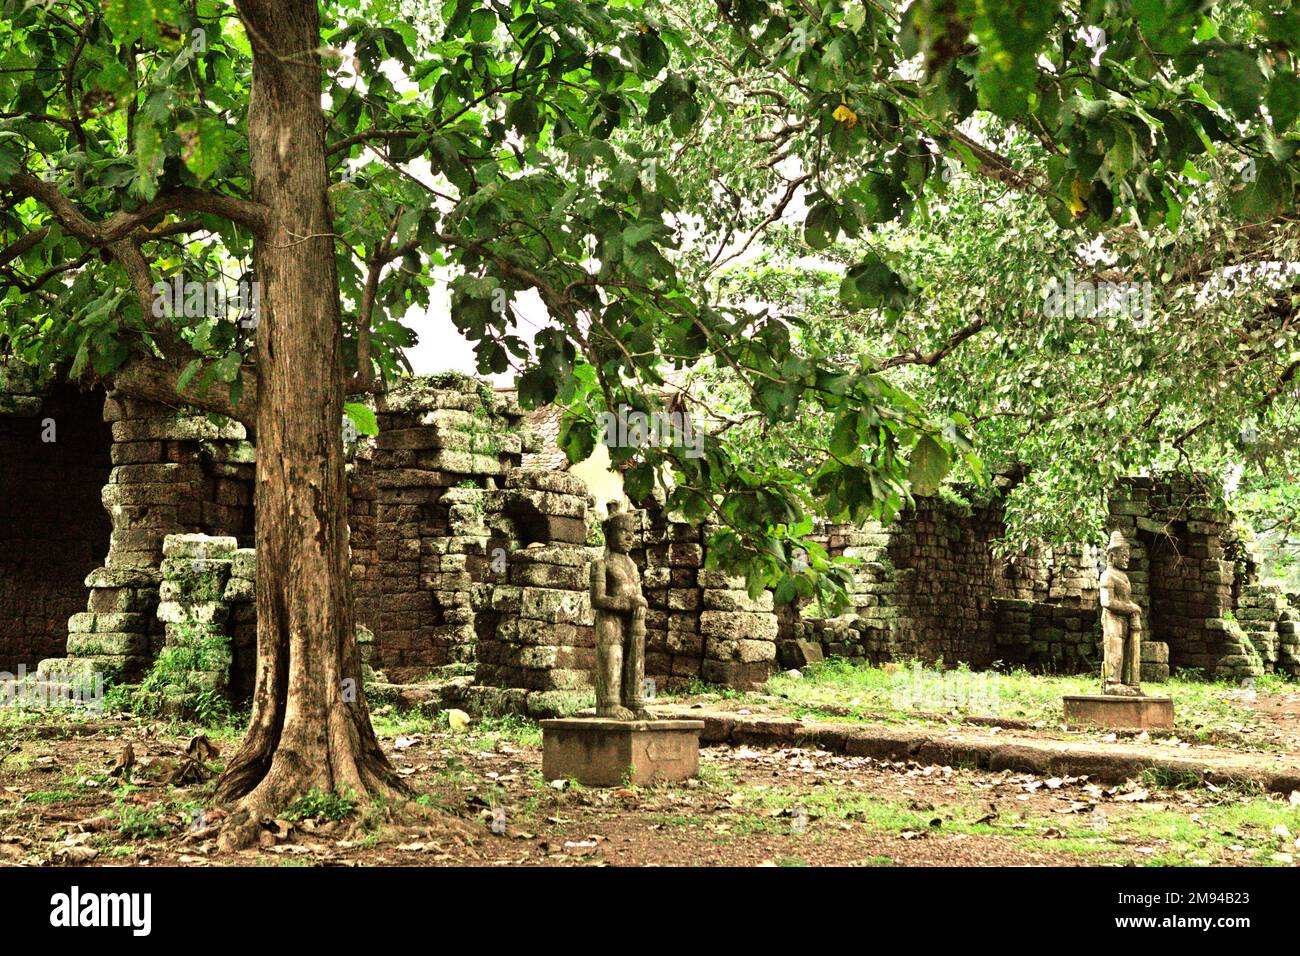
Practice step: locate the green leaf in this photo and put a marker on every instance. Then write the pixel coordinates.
(785, 590)
(135, 19)
(203, 146)
(362, 417)
(844, 437)
(1284, 99)
(576, 439)
(1011, 35)
(822, 226)
(188, 374)
(929, 466)
(871, 283)
(1234, 78)
(227, 369)
(1267, 190)
(537, 387)
(129, 19)
(482, 25)
(10, 162)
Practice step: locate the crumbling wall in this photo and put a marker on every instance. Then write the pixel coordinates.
(528, 563)
(172, 472)
(930, 587)
(1182, 577)
(436, 434)
(1047, 611)
(54, 459)
(669, 557)
(1049, 637)
(178, 473)
(197, 656)
(924, 590)
(209, 612)
(362, 533)
(1272, 627)
(472, 569)
(701, 623)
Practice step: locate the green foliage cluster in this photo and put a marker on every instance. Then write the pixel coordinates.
(319, 805)
(623, 162)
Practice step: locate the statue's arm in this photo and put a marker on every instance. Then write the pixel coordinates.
(599, 598)
(1118, 602)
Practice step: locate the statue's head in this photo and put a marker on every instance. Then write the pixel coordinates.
(620, 529)
(1117, 550)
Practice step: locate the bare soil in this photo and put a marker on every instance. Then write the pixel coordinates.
(62, 802)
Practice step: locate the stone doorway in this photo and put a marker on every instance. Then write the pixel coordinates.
(54, 463)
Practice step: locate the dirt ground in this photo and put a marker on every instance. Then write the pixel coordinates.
(68, 796)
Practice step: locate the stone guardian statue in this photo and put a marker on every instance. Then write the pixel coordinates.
(620, 611)
(1121, 624)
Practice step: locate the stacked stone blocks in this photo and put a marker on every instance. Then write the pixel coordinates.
(171, 473)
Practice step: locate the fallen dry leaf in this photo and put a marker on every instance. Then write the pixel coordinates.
(76, 854)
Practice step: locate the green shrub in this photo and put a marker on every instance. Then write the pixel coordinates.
(317, 804)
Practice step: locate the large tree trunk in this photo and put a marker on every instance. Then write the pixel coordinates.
(306, 731)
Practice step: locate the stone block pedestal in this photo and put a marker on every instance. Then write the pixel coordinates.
(1115, 712)
(598, 752)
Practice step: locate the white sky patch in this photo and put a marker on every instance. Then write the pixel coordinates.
(1272, 275)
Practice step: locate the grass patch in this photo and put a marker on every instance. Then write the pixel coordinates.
(389, 721)
(488, 733)
(318, 804)
(53, 796)
(698, 688)
(1240, 829)
(1170, 778)
(135, 822)
(844, 690)
(1235, 831)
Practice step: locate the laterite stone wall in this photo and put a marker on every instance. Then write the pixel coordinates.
(924, 590)
(53, 529)
(473, 570)
(931, 588)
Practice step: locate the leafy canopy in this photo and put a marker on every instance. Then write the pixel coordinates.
(611, 158)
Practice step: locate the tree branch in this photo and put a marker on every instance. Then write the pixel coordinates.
(24, 245)
(253, 216)
(155, 380)
(916, 357)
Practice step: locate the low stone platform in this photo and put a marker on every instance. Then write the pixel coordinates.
(1111, 711)
(598, 752)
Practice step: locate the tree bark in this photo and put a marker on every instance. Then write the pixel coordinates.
(306, 731)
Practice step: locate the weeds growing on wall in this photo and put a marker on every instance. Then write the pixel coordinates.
(181, 681)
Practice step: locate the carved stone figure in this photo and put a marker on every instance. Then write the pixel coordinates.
(1121, 625)
(620, 611)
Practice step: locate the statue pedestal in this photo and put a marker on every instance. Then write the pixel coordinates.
(598, 752)
(1116, 712)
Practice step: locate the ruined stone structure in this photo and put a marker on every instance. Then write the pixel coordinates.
(924, 589)
(174, 472)
(931, 588)
(701, 623)
(1271, 625)
(471, 569)
(412, 564)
